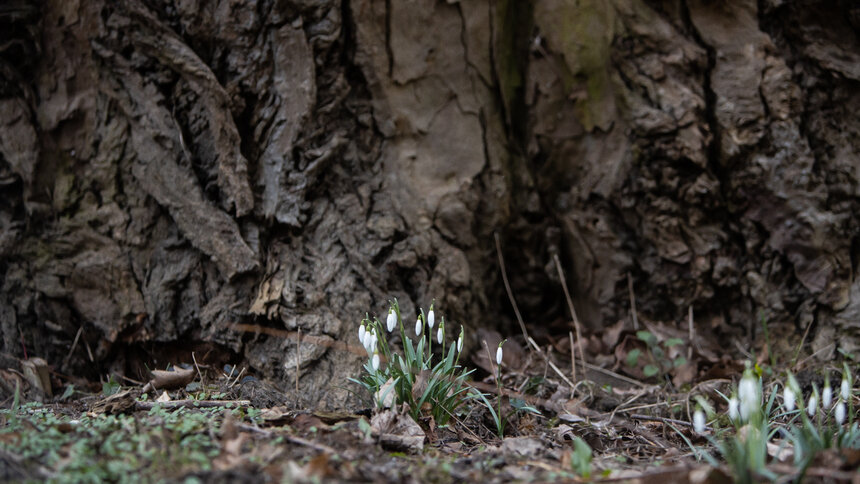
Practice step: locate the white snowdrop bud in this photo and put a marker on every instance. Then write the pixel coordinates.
(460, 344)
(372, 339)
(845, 389)
(747, 391)
(431, 318)
(827, 397)
(375, 361)
(499, 355)
(749, 395)
(391, 322)
(733, 409)
(418, 327)
(699, 421)
(361, 332)
(840, 412)
(440, 335)
(788, 398)
(812, 406)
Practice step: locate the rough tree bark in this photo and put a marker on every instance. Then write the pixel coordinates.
(171, 168)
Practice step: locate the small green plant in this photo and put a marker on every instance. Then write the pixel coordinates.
(157, 446)
(658, 358)
(817, 424)
(110, 387)
(500, 420)
(413, 378)
(580, 458)
(822, 423)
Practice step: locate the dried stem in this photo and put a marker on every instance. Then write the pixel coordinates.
(570, 306)
(508, 287)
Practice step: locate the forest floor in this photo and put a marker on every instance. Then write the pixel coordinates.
(627, 422)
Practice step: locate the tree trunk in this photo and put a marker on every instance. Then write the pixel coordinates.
(176, 174)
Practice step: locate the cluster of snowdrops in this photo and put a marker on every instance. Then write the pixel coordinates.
(419, 378)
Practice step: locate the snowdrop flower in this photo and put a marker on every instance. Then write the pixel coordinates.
(375, 361)
(431, 318)
(361, 332)
(418, 327)
(699, 421)
(788, 398)
(460, 343)
(827, 395)
(840, 412)
(440, 333)
(812, 406)
(365, 341)
(499, 354)
(370, 341)
(733, 409)
(845, 388)
(749, 395)
(391, 322)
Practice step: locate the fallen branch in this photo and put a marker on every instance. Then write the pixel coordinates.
(191, 404)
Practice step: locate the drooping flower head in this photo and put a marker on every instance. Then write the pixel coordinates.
(845, 388)
(699, 421)
(431, 318)
(391, 321)
(840, 412)
(460, 341)
(440, 333)
(749, 395)
(361, 332)
(788, 399)
(499, 353)
(733, 409)
(826, 395)
(812, 406)
(791, 393)
(418, 327)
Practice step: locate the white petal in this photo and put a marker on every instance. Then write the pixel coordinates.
(439, 335)
(840, 413)
(846, 389)
(699, 421)
(460, 344)
(391, 322)
(375, 361)
(813, 406)
(748, 392)
(827, 397)
(418, 327)
(361, 333)
(499, 356)
(431, 319)
(788, 399)
(733, 409)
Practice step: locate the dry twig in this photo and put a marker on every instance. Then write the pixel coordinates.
(508, 287)
(570, 306)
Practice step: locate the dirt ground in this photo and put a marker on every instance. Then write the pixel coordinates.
(207, 424)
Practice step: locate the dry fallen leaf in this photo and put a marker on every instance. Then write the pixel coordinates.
(38, 374)
(523, 446)
(397, 432)
(170, 380)
(386, 395)
(120, 402)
